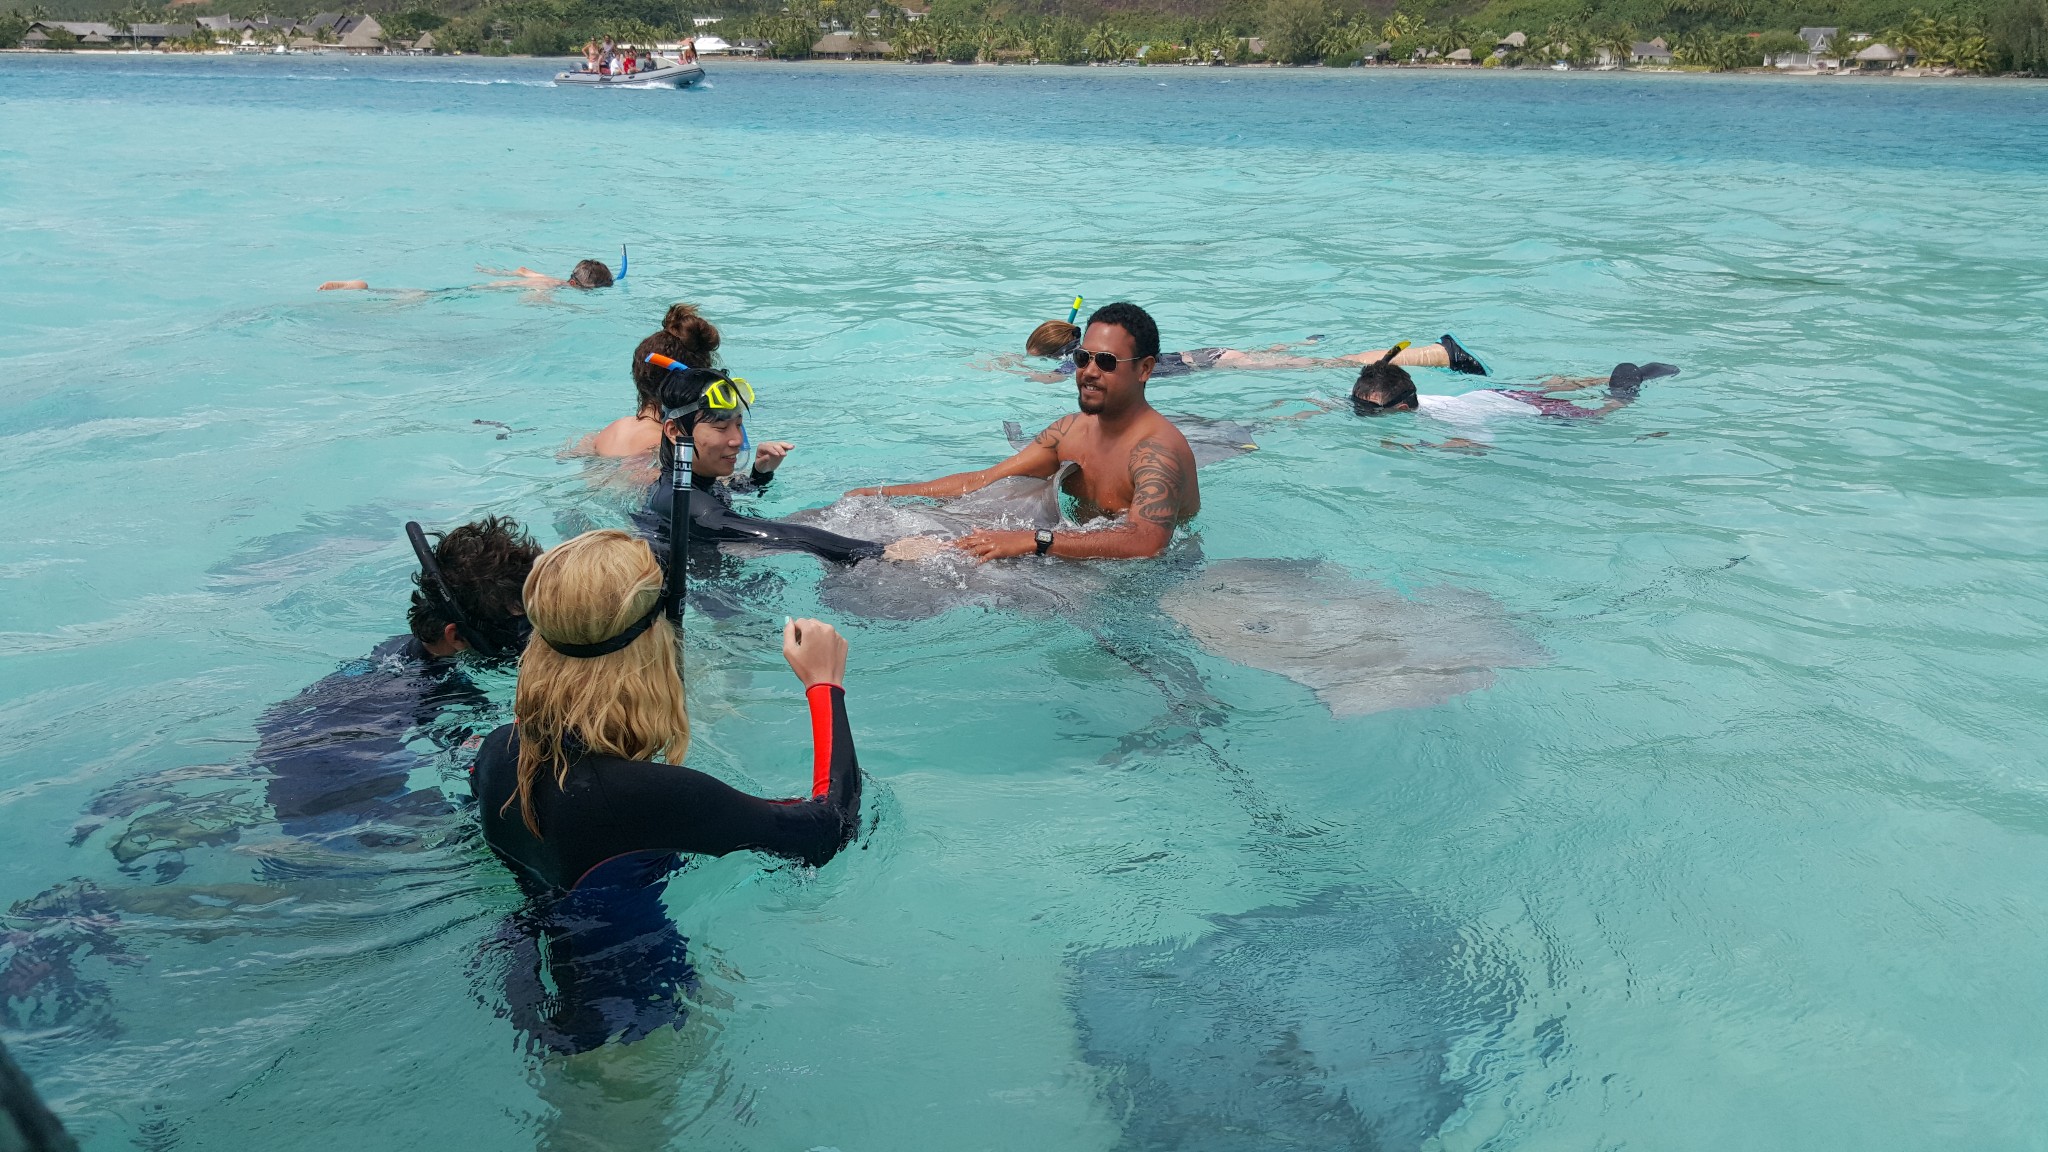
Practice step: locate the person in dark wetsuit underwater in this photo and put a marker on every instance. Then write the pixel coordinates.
(573, 801)
(708, 409)
(335, 759)
(334, 763)
(336, 753)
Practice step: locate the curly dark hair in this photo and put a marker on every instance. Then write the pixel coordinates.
(1132, 319)
(1382, 387)
(485, 562)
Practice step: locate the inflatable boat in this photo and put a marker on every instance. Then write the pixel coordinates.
(667, 74)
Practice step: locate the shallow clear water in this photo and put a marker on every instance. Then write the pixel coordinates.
(1758, 856)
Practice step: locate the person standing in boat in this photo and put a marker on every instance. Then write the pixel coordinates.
(590, 55)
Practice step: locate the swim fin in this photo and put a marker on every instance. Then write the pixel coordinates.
(1626, 381)
(1461, 360)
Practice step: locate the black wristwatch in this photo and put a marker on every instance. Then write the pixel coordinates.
(1044, 541)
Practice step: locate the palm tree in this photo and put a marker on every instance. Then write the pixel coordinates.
(1620, 43)
(1456, 34)
(919, 40)
(1102, 44)
(1973, 54)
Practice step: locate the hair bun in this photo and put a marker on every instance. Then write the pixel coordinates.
(685, 324)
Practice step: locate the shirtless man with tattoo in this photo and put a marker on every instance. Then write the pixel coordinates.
(1131, 459)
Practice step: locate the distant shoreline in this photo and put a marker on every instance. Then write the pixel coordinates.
(819, 61)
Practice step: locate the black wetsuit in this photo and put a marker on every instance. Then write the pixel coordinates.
(339, 753)
(608, 844)
(334, 764)
(712, 521)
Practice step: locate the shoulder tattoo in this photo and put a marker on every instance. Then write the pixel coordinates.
(1157, 480)
(1051, 437)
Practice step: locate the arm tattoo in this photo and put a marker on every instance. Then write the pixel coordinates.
(1156, 483)
(1051, 437)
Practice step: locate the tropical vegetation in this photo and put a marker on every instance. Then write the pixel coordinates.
(1972, 35)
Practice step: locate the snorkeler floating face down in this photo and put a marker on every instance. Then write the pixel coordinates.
(586, 275)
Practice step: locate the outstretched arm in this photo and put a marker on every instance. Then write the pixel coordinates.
(1022, 366)
(1040, 458)
(1162, 495)
(1568, 383)
(1319, 407)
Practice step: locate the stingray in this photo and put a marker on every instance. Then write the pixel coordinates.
(1328, 1025)
(1210, 440)
(1360, 647)
(889, 590)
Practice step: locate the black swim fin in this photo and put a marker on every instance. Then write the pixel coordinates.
(1626, 381)
(1461, 360)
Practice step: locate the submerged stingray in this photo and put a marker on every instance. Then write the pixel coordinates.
(1322, 1026)
(1361, 647)
(1210, 440)
(888, 590)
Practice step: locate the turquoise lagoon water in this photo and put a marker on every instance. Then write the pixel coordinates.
(1757, 858)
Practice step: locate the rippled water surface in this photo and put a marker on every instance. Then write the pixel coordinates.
(1739, 837)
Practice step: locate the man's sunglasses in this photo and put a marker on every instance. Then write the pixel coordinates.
(1103, 360)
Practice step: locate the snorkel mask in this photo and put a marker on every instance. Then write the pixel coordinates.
(1364, 407)
(726, 398)
(435, 585)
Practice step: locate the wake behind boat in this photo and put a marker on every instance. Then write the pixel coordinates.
(668, 73)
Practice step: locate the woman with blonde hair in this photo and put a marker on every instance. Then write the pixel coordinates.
(573, 798)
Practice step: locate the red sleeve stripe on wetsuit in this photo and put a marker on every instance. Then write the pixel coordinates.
(820, 696)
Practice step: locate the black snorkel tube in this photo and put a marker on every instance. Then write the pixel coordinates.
(435, 585)
(682, 462)
(682, 458)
